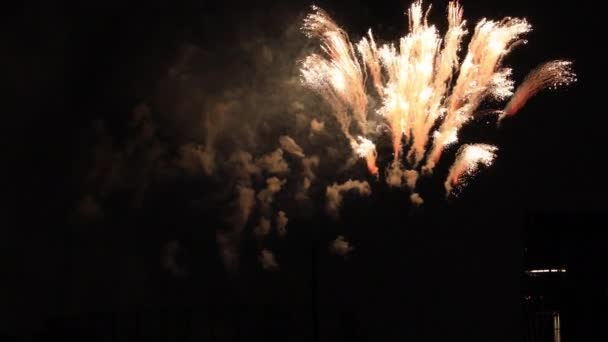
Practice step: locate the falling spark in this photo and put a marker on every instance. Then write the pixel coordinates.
(479, 77)
(366, 149)
(468, 160)
(369, 53)
(338, 75)
(551, 74)
(426, 94)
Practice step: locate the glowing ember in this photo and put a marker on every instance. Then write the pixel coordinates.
(366, 149)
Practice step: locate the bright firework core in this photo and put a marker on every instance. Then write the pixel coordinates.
(422, 86)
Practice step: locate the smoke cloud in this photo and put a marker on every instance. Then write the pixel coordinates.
(308, 164)
(290, 145)
(282, 221)
(266, 196)
(416, 199)
(341, 247)
(316, 126)
(397, 177)
(334, 194)
(268, 261)
(196, 158)
(262, 229)
(302, 193)
(242, 167)
(273, 163)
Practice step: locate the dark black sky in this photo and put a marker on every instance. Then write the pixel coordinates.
(450, 269)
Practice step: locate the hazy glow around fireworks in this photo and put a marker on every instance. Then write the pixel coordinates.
(420, 83)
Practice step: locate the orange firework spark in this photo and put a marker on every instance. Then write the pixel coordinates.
(468, 159)
(550, 74)
(421, 83)
(366, 149)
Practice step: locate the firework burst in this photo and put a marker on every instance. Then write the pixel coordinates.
(421, 84)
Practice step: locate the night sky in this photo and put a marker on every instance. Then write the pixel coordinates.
(85, 231)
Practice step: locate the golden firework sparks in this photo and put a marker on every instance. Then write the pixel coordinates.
(550, 74)
(421, 84)
(468, 160)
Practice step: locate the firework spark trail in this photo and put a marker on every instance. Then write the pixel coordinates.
(337, 76)
(282, 221)
(550, 74)
(268, 260)
(446, 62)
(334, 194)
(369, 54)
(418, 73)
(421, 83)
(468, 160)
(478, 78)
(366, 149)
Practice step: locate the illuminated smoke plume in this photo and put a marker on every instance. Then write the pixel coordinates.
(266, 195)
(550, 74)
(468, 160)
(335, 194)
(302, 193)
(289, 145)
(195, 158)
(268, 261)
(229, 240)
(396, 176)
(416, 199)
(308, 176)
(242, 166)
(341, 247)
(273, 162)
(243, 169)
(316, 126)
(282, 221)
(411, 176)
(262, 229)
(426, 94)
(308, 166)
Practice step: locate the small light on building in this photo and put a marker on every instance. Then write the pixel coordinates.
(547, 270)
